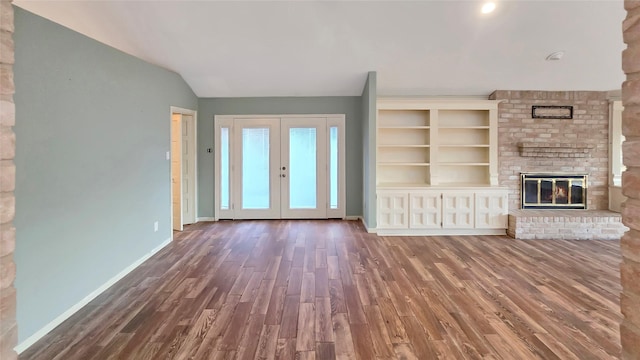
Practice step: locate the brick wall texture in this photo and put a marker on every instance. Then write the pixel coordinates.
(8, 327)
(589, 129)
(630, 242)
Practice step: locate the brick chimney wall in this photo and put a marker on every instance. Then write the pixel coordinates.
(630, 243)
(8, 327)
(586, 136)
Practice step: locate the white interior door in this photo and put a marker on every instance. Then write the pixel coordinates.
(256, 169)
(303, 168)
(188, 163)
(176, 173)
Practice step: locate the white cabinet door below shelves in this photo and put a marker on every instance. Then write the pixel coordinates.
(458, 209)
(393, 210)
(425, 210)
(492, 210)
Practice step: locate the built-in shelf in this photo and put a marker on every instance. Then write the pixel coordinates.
(437, 168)
(398, 185)
(403, 146)
(462, 164)
(436, 141)
(405, 127)
(465, 127)
(402, 164)
(466, 146)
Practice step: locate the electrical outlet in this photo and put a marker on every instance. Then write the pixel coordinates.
(155, 226)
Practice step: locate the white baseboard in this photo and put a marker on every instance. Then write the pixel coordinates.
(370, 230)
(352, 218)
(205, 219)
(72, 310)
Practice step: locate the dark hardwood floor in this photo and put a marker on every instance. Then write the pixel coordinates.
(328, 289)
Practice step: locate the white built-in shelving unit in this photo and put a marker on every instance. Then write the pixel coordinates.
(437, 163)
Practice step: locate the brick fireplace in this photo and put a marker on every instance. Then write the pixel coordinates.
(550, 147)
(573, 146)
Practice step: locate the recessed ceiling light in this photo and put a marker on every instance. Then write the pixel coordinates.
(555, 56)
(488, 7)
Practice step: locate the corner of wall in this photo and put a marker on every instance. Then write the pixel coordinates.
(369, 113)
(8, 324)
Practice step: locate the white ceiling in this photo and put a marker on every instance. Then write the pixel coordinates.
(322, 48)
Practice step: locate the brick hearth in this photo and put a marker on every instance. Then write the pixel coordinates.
(565, 224)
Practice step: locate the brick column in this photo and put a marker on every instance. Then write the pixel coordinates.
(8, 326)
(630, 243)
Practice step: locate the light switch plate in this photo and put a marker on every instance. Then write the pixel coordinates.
(168, 155)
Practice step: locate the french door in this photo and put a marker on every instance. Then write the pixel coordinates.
(280, 167)
(255, 163)
(303, 164)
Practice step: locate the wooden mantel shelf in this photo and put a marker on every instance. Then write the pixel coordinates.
(562, 150)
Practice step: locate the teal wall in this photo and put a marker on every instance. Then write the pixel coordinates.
(350, 106)
(92, 125)
(369, 114)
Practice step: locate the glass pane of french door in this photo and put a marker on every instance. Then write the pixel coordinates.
(303, 168)
(333, 167)
(224, 169)
(255, 168)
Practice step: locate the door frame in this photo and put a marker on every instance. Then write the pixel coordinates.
(182, 111)
(338, 120)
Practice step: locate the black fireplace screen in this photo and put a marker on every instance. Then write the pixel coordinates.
(554, 191)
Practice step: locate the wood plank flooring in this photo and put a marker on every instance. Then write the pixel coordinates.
(327, 289)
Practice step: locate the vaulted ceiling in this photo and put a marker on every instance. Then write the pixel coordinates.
(325, 48)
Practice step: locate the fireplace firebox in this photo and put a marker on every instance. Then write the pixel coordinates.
(553, 191)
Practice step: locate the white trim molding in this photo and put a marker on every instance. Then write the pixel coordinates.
(441, 232)
(361, 219)
(200, 219)
(194, 113)
(87, 299)
(616, 166)
(615, 143)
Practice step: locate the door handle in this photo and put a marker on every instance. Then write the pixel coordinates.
(284, 168)
(283, 175)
